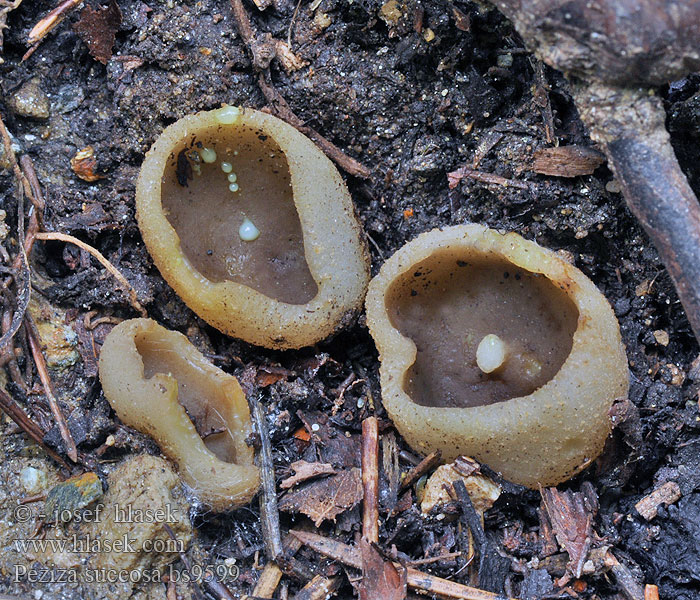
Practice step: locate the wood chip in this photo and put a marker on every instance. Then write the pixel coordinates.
(304, 470)
(324, 500)
(567, 161)
(667, 494)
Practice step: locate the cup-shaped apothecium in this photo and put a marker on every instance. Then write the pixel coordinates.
(253, 227)
(494, 347)
(159, 383)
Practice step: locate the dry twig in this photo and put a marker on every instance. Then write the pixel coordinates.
(41, 368)
(54, 18)
(421, 469)
(269, 513)
(12, 409)
(418, 580)
(63, 237)
(455, 177)
(370, 479)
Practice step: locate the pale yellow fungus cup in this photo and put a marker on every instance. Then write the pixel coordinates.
(161, 385)
(494, 347)
(253, 227)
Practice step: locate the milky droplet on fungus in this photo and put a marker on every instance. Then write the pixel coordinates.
(494, 347)
(160, 384)
(253, 227)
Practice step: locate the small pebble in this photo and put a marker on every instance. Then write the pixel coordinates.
(30, 101)
(33, 480)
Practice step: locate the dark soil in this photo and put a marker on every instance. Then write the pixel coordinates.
(413, 110)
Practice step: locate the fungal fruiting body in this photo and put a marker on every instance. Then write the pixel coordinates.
(159, 383)
(253, 227)
(494, 347)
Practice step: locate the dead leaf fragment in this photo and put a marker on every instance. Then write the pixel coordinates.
(380, 578)
(326, 499)
(84, 164)
(567, 161)
(304, 470)
(572, 523)
(482, 491)
(98, 29)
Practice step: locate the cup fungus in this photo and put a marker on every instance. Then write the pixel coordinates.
(253, 227)
(159, 383)
(492, 346)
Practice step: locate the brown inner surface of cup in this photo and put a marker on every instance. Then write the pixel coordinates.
(447, 304)
(197, 392)
(207, 216)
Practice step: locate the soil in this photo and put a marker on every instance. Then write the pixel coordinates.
(413, 91)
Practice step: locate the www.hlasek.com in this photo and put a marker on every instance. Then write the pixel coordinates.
(222, 573)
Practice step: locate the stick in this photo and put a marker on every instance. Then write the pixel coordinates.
(421, 469)
(54, 18)
(351, 557)
(370, 479)
(40, 362)
(631, 127)
(12, 410)
(269, 513)
(455, 177)
(63, 237)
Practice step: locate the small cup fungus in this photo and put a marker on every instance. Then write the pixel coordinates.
(494, 347)
(159, 383)
(253, 227)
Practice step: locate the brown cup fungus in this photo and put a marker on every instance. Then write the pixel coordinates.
(494, 347)
(160, 384)
(253, 227)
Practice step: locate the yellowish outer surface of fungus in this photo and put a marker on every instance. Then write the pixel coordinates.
(540, 439)
(151, 406)
(334, 245)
